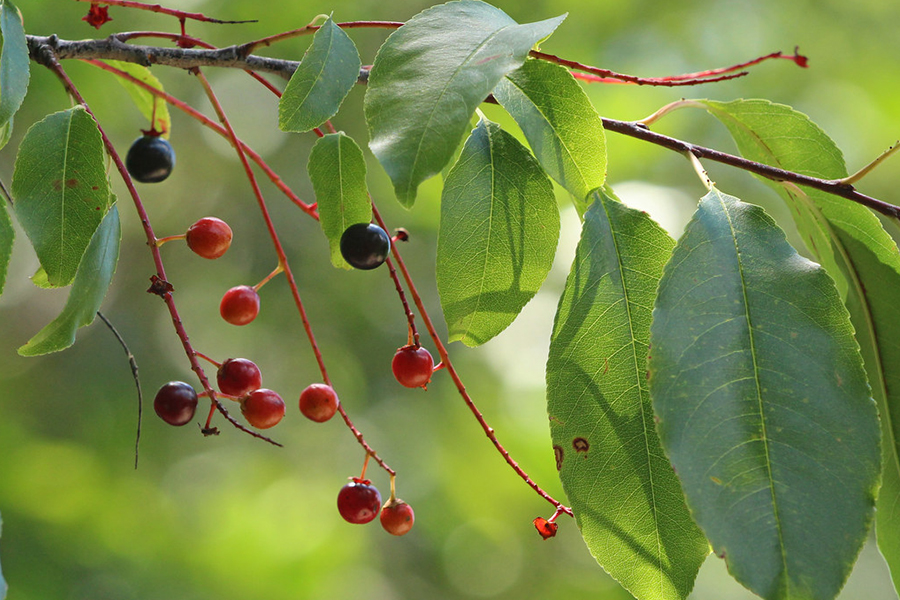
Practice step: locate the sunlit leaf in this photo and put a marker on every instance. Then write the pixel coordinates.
(14, 61)
(763, 404)
(7, 236)
(151, 106)
(626, 498)
(61, 190)
(88, 290)
(428, 78)
(317, 88)
(498, 235)
(562, 127)
(337, 169)
(852, 244)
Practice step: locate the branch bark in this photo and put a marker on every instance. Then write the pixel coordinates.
(237, 57)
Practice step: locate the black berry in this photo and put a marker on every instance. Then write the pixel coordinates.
(365, 245)
(150, 159)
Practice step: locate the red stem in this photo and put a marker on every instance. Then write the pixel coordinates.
(157, 257)
(180, 14)
(448, 365)
(283, 263)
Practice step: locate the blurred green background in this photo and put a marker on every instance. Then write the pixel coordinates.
(230, 517)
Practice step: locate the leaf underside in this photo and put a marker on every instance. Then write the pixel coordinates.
(151, 106)
(498, 235)
(337, 169)
(625, 496)
(763, 404)
(561, 126)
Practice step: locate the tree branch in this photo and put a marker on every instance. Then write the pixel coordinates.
(113, 48)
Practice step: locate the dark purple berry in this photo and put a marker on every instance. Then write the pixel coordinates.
(150, 159)
(365, 245)
(175, 403)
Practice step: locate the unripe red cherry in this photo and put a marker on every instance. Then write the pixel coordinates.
(412, 366)
(239, 305)
(359, 501)
(175, 403)
(209, 237)
(397, 517)
(318, 402)
(150, 159)
(365, 245)
(238, 377)
(262, 408)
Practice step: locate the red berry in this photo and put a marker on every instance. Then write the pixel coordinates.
(263, 408)
(209, 237)
(238, 377)
(240, 305)
(175, 403)
(544, 527)
(150, 159)
(359, 501)
(318, 402)
(413, 366)
(397, 517)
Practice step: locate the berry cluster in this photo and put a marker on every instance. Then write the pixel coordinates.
(360, 502)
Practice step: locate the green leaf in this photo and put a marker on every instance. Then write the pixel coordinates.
(428, 78)
(763, 404)
(6, 132)
(7, 236)
(87, 293)
(317, 88)
(337, 169)
(561, 125)
(625, 496)
(498, 234)
(852, 244)
(14, 61)
(151, 106)
(61, 189)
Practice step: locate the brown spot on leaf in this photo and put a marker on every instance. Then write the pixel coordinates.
(558, 453)
(70, 183)
(581, 445)
(57, 184)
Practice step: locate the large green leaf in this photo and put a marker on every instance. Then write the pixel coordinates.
(317, 88)
(151, 106)
(763, 404)
(61, 189)
(428, 78)
(337, 169)
(498, 235)
(88, 290)
(852, 244)
(561, 125)
(625, 496)
(14, 61)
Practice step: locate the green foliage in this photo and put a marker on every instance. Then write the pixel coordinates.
(88, 290)
(763, 404)
(560, 124)
(498, 235)
(61, 190)
(430, 76)
(851, 243)
(14, 62)
(317, 88)
(337, 169)
(626, 497)
(152, 107)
